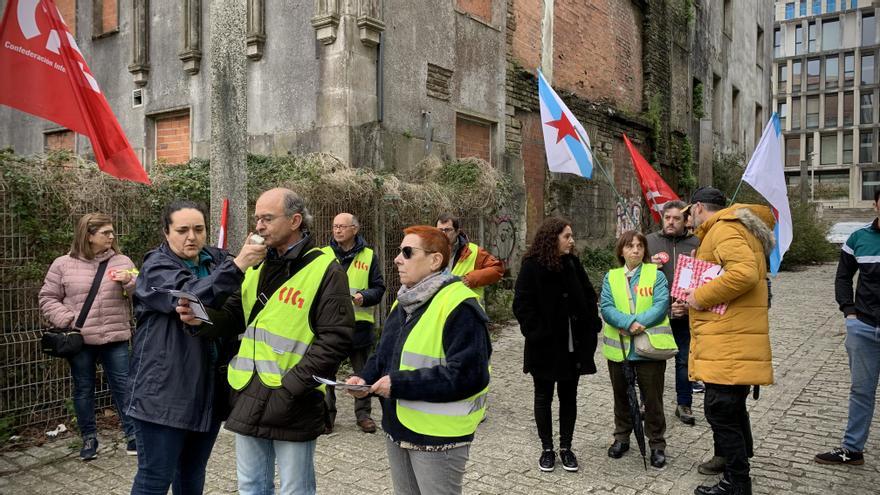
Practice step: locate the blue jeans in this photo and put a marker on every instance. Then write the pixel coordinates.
(171, 457)
(684, 391)
(863, 347)
(255, 461)
(83, 365)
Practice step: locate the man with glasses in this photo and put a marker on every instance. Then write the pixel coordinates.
(367, 286)
(295, 317)
(476, 267)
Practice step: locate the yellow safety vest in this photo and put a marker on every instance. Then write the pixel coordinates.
(359, 279)
(424, 349)
(615, 346)
(278, 337)
(466, 265)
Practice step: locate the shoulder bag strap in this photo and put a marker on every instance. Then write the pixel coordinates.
(93, 291)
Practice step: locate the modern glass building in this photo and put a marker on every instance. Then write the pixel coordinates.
(825, 90)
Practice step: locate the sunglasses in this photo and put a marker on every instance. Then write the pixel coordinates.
(407, 251)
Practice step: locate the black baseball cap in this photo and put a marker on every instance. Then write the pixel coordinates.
(708, 195)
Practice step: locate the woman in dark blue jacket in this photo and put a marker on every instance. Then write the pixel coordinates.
(433, 396)
(177, 386)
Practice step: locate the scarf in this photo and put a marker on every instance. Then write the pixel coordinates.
(411, 298)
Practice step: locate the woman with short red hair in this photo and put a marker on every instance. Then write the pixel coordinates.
(430, 369)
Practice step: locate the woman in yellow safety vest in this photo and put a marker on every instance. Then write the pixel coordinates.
(430, 369)
(634, 301)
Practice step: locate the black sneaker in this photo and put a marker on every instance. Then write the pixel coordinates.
(89, 449)
(131, 447)
(698, 387)
(841, 456)
(569, 461)
(547, 462)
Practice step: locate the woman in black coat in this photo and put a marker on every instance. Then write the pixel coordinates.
(556, 307)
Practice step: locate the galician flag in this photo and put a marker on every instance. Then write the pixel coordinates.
(565, 140)
(765, 173)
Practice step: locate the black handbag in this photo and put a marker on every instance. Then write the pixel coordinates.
(65, 342)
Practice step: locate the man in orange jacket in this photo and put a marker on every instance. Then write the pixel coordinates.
(476, 267)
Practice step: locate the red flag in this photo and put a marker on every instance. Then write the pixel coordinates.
(224, 219)
(42, 72)
(656, 192)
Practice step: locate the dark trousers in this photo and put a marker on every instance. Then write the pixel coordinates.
(567, 392)
(725, 407)
(684, 392)
(83, 366)
(649, 377)
(362, 407)
(171, 457)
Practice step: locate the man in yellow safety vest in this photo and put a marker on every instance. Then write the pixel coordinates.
(367, 286)
(295, 320)
(473, 264)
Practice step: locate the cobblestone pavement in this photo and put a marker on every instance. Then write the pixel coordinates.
(802, 414)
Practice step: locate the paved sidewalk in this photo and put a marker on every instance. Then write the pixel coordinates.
(804, 413)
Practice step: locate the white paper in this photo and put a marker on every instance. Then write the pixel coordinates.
(684, 278)
(341, 385)
(198, 309)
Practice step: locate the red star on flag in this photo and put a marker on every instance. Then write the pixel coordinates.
(563, 125)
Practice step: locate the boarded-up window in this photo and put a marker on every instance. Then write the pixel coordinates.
(172, 139)
(473, 139)
(106, 17)
(477, 8)
(67, 9)
(59, 140)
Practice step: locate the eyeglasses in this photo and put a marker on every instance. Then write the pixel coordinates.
(107, 233)
(407, 251)
(266, 219)
(446, 230)
(341, 227)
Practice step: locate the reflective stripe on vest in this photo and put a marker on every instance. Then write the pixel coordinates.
(424, 349)
(281, 334)
(359, 279)
(614, 345)
(466, 265)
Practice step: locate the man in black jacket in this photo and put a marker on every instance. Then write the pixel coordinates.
(297, 321)
(367, 286)
(860, 253)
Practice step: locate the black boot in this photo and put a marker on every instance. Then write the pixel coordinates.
(724, 487)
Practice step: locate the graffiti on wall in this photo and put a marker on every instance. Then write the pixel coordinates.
(629, 214)
(503, 242)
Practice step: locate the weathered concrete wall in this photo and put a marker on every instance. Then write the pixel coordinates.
(472, 49)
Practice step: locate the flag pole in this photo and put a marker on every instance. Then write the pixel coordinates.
(730, 201)
(620, 199)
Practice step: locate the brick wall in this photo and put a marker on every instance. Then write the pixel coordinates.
(59, 140)
(172, 139)
(109, 16)
(67, 8)
(597, 51)
(524, 32)
(535, 170)
(478, 8)
(473, 139)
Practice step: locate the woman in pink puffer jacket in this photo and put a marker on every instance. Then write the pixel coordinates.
(107, 328)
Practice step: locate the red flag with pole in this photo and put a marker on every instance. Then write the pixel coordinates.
(224, 219)
(43, 73)
(656, 191)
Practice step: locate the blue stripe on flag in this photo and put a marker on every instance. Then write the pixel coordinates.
(776, 125)
(548, 99)
(579, 151)
(775, 255)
